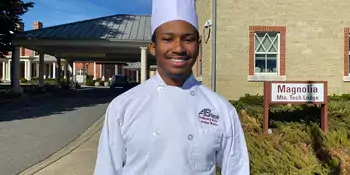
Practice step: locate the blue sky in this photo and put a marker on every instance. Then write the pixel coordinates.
(55, 12)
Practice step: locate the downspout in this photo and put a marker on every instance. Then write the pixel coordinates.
(213, 63)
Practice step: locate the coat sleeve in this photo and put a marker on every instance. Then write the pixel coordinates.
(233, 157)
(110, 153)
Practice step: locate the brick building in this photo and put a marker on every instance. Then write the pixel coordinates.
(289, 40)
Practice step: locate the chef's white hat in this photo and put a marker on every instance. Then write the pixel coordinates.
(170, 10)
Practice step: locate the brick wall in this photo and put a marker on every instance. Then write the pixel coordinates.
(80, 65)
(314, 41)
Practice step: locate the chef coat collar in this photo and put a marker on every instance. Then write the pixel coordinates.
(190, 81)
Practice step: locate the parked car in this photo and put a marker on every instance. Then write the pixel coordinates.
(120, 81)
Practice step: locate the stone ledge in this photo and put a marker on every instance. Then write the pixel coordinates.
(346, 78)
(266, 78)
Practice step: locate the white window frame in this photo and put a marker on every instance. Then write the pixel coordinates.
(267, 53)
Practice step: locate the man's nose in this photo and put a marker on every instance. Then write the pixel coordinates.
(179, 47)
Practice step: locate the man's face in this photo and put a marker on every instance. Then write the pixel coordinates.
(176, 48)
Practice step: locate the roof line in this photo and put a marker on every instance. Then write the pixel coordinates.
(87, 20)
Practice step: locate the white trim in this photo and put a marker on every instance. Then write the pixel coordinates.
(264, 77)
(346, 78)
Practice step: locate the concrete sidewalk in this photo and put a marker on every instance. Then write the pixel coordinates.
(77, 158)
(79, 162)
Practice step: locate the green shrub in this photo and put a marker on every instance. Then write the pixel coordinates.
(23, 80)
(89, 82)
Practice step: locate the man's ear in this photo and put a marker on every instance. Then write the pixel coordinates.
(152, 48)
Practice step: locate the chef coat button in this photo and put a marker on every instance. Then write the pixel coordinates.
(160, 88)
(192, 93)
(190, 137)
(120, 122)
(156, 133)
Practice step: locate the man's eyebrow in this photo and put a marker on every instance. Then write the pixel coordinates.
(185, 34)
(168, 33)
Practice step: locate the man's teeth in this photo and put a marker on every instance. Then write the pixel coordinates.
(178, 60)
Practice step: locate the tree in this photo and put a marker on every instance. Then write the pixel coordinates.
(10, 17)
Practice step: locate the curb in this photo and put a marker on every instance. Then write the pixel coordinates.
(92, 130)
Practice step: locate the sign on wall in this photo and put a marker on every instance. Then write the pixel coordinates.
(296, 92)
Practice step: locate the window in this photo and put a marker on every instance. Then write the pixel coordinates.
(267, 53)
(36, 53)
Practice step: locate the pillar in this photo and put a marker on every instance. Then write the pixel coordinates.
(41, 69)
(25, 69)
(138, 76)
(66, 71)
(49, 67)
(74, 70)
(103, 72)
(8, 70)
(58, 72)
(53, 70)
(3, 71)
(94, 71)
(144, 71)
(116, 69)
(15, 70)
(29, 70)
(37, 70)
(70, 70)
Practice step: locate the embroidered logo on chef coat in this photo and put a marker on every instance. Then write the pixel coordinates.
(208, 116)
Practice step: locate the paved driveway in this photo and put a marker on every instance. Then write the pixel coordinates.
(30, 131)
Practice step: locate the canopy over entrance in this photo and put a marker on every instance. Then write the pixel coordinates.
(118, 38)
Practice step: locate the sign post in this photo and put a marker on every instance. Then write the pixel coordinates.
(296, 92)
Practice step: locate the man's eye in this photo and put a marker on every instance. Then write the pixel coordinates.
(189, 39)
(167, 39)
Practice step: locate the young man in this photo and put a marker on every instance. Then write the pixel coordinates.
(171, 124)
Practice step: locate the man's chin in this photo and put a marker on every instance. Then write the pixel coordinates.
(177, 75)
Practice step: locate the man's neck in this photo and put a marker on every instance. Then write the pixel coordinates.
(173, 81)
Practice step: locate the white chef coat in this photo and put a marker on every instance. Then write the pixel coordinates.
(156, 129)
